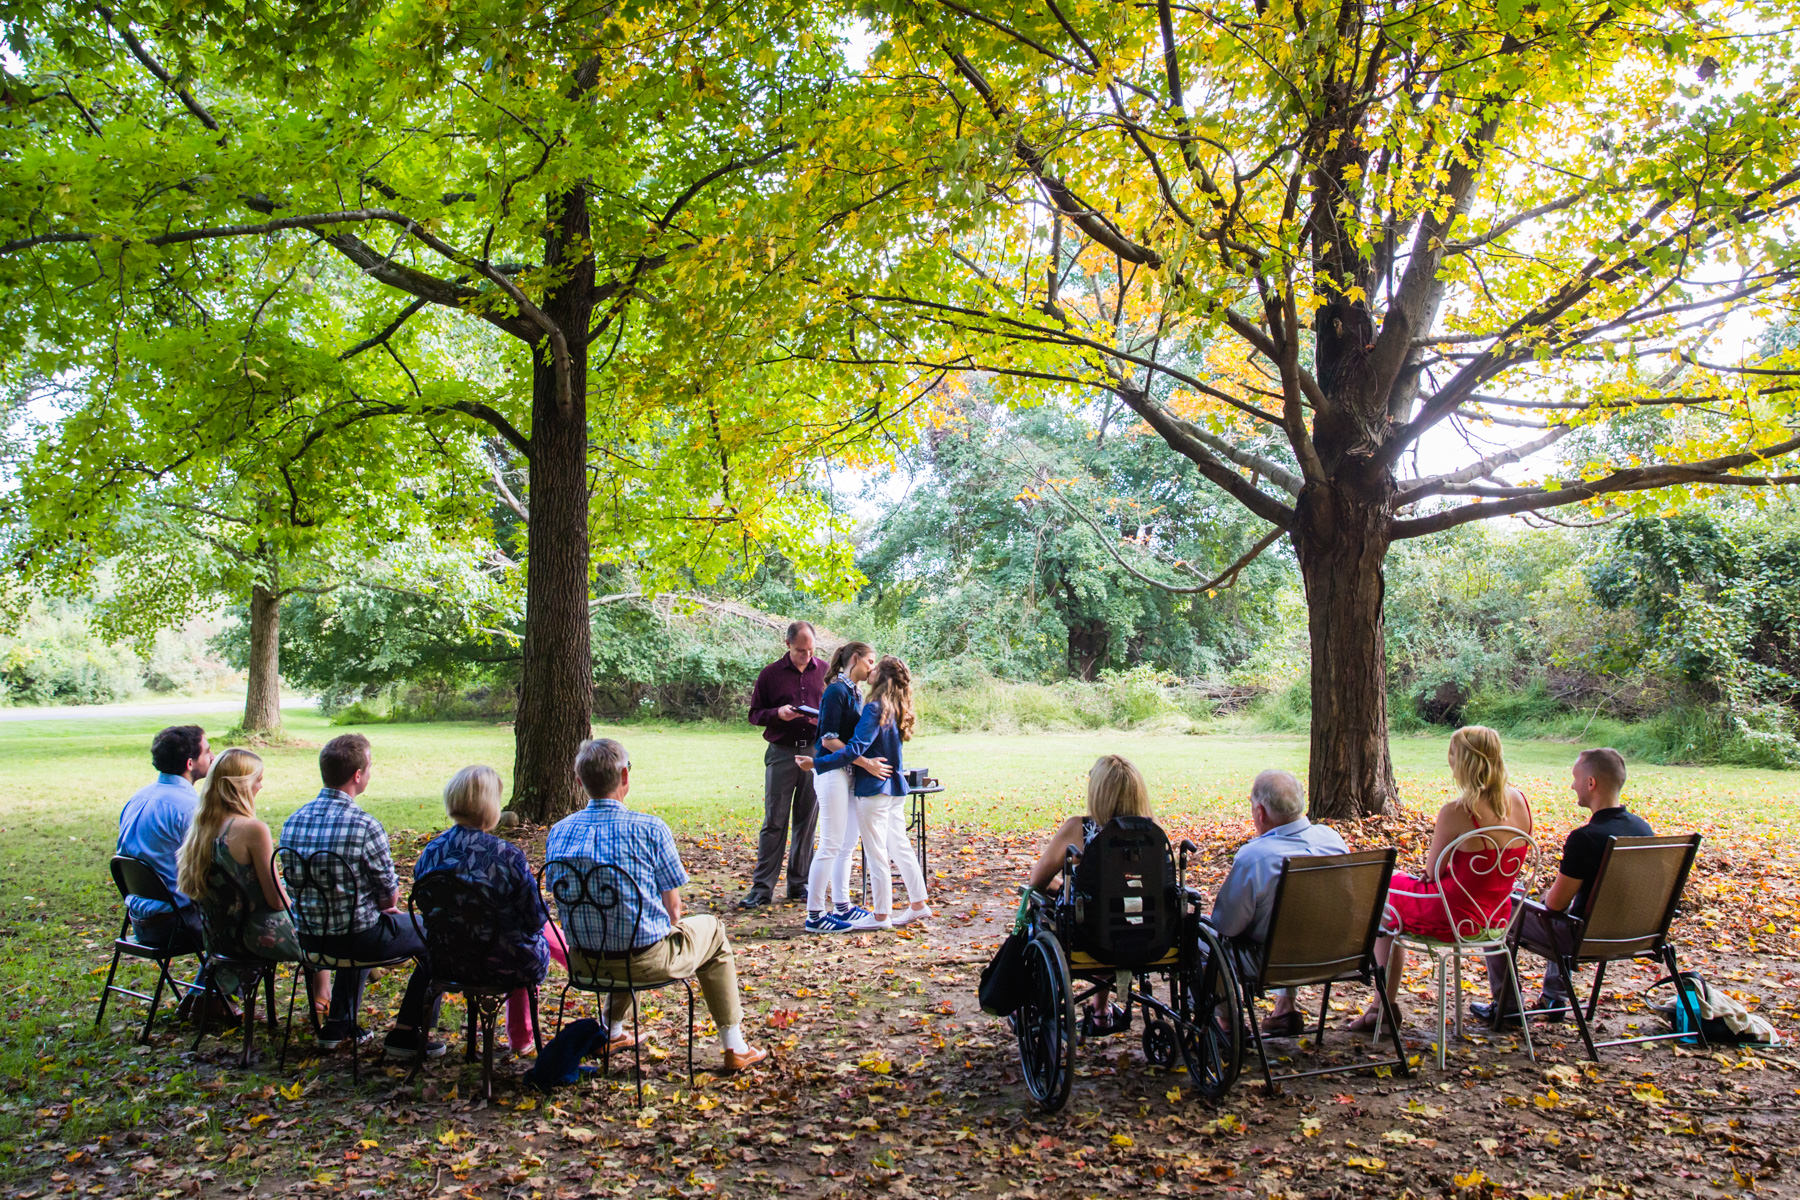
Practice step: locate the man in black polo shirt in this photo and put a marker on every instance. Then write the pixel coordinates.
(793, 681)
(1596, 779)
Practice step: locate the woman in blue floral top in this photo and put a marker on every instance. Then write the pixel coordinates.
(470, 848)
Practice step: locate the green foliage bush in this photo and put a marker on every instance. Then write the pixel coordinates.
(56, 656)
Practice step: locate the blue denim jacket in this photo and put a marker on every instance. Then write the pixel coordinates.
(872, 739)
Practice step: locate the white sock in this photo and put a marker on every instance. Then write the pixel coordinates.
(732, 1038)
(617, 1030)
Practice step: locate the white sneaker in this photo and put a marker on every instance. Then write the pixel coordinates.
(908, 915)
(871, 921)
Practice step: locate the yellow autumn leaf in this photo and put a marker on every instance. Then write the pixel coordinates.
(1370, 1165)
(1173, 1095)
(1123, 1141)
(292, 1091)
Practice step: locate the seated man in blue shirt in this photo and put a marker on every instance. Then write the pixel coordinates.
(152, 826)
(661, 944)
(1247, 898)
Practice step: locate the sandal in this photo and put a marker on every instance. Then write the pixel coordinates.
(1366, 1022)
(1096, 1024)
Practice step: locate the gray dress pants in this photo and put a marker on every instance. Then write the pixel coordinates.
(789, 807)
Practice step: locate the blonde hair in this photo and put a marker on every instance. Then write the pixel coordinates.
(472, 797)
(1480, 771)
(1116, 788)
(890, 687)
(229, 790)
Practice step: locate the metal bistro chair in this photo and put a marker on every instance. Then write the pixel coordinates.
(463, 921)
(323, 896)
(1322, 930)
(135, 877)
(605, 901)
(1630, 905)
(1497, 850)
(223, 914)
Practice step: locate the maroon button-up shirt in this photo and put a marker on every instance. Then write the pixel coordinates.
(781, 682)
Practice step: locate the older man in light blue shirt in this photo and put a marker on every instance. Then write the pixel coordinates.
(1245, 901)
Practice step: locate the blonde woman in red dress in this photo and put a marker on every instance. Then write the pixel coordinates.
(1478, 881)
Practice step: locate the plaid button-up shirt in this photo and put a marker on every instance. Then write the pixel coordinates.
(332, 821)
(637, 843)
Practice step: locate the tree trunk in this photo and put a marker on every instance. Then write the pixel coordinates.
(262, 699)
(556, 687)
(1341, 538)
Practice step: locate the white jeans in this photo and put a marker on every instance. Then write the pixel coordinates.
(883, 821)
(837, 841)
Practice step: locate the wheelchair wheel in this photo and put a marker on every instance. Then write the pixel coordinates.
(1045, 1024)
(1160, 1043)
(1211, 1031)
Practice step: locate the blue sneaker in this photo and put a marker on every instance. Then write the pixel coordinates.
(855, 912)
(826, 923)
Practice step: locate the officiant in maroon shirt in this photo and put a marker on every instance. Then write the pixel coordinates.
(794, 680)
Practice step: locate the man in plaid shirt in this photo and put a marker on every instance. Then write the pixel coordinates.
(657, 944)
(374, 930)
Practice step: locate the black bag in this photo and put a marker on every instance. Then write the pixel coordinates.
(1005, 984)
(1127, 910)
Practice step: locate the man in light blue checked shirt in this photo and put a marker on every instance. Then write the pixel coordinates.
(651, 941)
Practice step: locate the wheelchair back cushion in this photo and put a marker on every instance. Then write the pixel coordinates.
(1127, 906)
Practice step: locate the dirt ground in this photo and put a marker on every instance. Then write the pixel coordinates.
(887, 1080)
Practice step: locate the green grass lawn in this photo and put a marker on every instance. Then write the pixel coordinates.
(64, 781)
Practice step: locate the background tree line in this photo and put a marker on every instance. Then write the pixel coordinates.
(1677, 635)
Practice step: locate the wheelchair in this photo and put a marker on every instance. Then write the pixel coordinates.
(1124, 918)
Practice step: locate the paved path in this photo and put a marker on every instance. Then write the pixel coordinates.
(148, 708)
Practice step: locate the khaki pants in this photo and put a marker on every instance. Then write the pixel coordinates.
(696, 947)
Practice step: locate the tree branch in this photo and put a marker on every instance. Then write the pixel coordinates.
(1714, 471)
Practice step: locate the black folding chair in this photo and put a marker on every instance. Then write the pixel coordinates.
(224, 913)
(1322, 930)
(1630, 906)
(135, 877)
(463, 920)
(602, 910)
(324, 899)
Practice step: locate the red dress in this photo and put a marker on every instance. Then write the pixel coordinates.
(1478, 882)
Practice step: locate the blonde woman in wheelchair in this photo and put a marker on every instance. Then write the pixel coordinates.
(1477, 883)
(1115, 788)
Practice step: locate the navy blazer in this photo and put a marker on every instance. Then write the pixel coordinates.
(872, 739)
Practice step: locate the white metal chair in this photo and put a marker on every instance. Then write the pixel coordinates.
(1482, 928)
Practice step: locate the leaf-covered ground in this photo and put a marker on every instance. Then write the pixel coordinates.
(886, 1080)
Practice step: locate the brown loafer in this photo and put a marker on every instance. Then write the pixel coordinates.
(736, 1061)
(1287, 1025)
